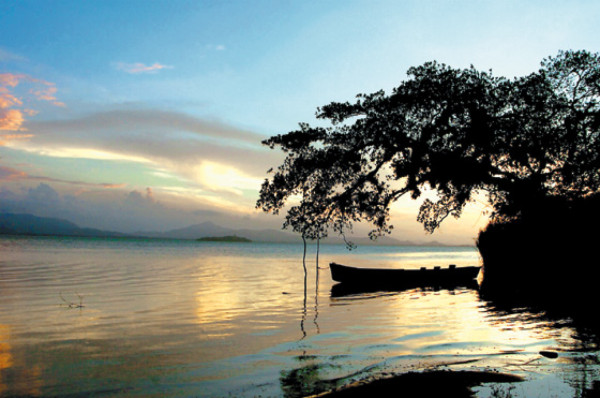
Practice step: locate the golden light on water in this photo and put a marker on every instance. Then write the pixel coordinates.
(28, 380)
(6, 359)
(454, 325)
(222, 302)
(217, 304)
(217, 314)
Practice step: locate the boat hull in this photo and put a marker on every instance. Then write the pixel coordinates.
(436, 277)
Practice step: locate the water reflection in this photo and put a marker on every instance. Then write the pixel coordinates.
(307, 379)
(340, 290)
(500, 333)
(578, 317)
(305, 304)
(317, 297)
(6, 359)
(184, 320)
(573, 362)
(18, 378)
(572, 324)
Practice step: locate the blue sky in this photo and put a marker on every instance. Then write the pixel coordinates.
(165, 102)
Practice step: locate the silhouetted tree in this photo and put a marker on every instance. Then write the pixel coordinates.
(523, 142)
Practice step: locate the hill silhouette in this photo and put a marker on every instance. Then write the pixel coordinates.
(27, 224)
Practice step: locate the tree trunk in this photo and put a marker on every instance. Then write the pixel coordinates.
(304, 255)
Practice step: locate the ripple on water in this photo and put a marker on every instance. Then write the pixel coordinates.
(212, 320)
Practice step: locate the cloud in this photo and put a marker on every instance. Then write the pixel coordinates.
(138, 67)
(11, 79)
(137, 200)
(42, 90)
(121, 210)
(48, 94)
(112, 186)
(11, 174)
(5, 138)
(215, 165)
(170, 141)
(12, 105)
(147, 122)
(11, 120)
(7, 99)
(226, 178)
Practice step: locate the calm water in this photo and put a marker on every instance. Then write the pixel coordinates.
(104, 317)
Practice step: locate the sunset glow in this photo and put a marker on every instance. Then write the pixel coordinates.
(178, 98)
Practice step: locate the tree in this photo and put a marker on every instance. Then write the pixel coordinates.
(523, 142)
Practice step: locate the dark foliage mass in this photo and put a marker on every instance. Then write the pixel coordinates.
(526, 143)
(549, 250)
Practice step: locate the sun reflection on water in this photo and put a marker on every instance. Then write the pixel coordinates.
(6, 359)
(215, 320)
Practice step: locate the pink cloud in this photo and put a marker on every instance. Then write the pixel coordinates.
(48, 94)
(7, 99)
(11, 79)
(8, 174)
(12, 111)
(138, 67)
(11, 174)
(11, 120)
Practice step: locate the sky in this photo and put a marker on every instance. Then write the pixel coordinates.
(148, 115)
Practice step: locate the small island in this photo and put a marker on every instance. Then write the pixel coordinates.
(229, 238)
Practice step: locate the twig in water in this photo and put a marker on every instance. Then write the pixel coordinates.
(72, 304)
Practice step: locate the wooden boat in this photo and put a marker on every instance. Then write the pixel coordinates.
(437, 276)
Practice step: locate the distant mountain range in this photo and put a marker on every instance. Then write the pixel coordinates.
(27, 224)
(207, 228)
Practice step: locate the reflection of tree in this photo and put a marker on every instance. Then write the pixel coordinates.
(300, 382)
(317, 295)
(305, 380)
(593, 392)
(305, 297)
(582, 346)
(581, 316)
(305, 306)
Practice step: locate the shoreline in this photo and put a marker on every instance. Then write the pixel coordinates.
(429, 383)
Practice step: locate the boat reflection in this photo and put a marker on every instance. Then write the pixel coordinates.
(344, 289)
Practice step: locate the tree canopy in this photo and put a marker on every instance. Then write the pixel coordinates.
(520, 141)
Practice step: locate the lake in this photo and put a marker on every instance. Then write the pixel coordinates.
(135, 317)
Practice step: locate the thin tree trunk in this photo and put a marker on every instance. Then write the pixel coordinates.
(318, 247)
(304, 255)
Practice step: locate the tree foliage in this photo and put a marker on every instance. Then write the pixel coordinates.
(521, 141)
